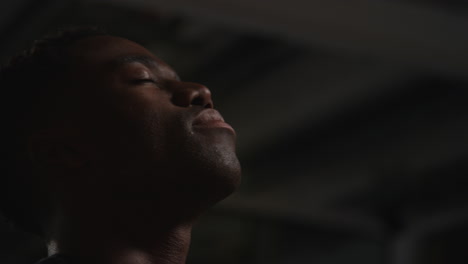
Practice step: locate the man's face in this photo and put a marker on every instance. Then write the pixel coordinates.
(142, 132)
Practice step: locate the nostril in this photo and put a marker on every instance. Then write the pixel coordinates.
(202, 101)
(197, 101)
(209, 105)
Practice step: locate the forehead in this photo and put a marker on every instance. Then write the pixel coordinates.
(107, 52)
(104, 48)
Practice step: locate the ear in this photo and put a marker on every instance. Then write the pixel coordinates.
(50, 150)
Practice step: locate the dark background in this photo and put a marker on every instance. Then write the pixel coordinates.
(351, 118)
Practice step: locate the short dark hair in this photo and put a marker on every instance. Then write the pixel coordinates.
(30, 102)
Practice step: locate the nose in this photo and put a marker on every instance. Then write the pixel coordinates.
(192, 94)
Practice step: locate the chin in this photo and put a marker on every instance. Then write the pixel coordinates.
(228, 180)
(194, 189)
(217, 175)
(202, 169)
(222, 179)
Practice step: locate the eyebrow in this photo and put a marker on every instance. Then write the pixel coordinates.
(143, 59)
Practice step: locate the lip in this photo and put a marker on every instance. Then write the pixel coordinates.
(211, 118)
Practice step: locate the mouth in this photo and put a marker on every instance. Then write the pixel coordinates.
(211, 119)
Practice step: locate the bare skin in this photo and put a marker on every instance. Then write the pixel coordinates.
(139, 156)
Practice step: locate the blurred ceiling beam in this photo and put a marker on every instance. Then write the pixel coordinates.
(419, 36)
(305, 92)
(325, 195)
(276, 208)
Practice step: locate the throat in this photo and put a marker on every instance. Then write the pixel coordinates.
(168, 246)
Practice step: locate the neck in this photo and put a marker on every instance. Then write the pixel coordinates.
(125, 244)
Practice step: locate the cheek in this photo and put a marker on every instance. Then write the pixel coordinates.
(151, 128)
(124, 131)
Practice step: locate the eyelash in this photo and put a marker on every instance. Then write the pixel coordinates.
(138, 81)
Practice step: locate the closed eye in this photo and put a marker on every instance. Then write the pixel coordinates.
(142, 81)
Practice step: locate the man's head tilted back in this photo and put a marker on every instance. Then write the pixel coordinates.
(111, 156)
